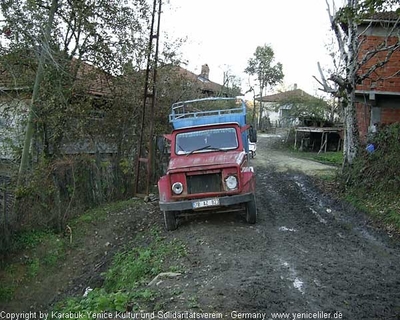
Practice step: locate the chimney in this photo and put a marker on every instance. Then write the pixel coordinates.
(295, 86)
(205, 71)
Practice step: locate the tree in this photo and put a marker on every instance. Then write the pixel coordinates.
(59, 35)
(231, 83)
(353, 68)
(304, 106)
(45, 47)
(266, 72)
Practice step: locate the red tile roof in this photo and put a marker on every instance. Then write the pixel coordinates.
(287, 95)
(204, 84)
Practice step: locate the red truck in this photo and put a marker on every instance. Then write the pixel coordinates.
(209, 167)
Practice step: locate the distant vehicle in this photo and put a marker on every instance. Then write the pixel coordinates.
(252, 149)
(209, 166)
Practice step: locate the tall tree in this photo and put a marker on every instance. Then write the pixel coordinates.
(61, 34)
(267, 73)
(45, 47)
(353, 68)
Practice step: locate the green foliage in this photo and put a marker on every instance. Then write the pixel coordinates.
(33, 268)
(262, 66)
(335, 158)
(45, 250)
(83, 97)
(55, 252)
(365, 9)
(131, 268)
(98, 214)
(126, 279)
(371, 6)
(30, 239)
(89, 102)
(56, 191)
(380, 169)
(39, 251)
(99, 300)
(304, 106)
(373, 181)
(6, 292)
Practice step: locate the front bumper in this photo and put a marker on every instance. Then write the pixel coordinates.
(225, 201)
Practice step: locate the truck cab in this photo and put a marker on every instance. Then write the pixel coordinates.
(209, 167)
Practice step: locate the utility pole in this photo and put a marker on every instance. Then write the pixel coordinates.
(145, 148)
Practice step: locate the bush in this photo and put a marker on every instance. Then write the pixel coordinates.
(379, 170)
(373, 181)
(55, 191)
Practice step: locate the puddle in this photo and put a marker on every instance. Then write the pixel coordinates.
(297, 282)
(320, 219)
(301, 185)
(287, 229)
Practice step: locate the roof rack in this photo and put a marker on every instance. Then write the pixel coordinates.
(187, 114)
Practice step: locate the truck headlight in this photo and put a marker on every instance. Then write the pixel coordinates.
(231, 182)
(177, 187)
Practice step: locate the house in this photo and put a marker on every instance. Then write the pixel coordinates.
(200, 84)
(378, 96)
(285, 108)
(16, 85)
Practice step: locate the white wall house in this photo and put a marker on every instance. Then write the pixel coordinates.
(12, 126)
(277, 107)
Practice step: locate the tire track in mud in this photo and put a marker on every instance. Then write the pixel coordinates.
(306, 253)
(335, 261)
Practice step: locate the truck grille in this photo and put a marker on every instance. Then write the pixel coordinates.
(204, 183)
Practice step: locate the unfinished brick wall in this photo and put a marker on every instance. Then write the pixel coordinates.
(390, 115)
(363, 115)
(386, 78)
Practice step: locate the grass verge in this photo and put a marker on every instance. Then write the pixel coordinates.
(330, 158)
(383, 207)
(125, 282)
(35, 253)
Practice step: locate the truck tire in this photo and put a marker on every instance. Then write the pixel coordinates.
(251, 211)
(170, 220)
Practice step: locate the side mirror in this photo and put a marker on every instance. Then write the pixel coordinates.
(252, 135)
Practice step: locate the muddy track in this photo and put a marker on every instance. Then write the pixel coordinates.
(307, 254)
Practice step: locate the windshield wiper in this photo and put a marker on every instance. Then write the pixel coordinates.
(204, 148)
(198, 149)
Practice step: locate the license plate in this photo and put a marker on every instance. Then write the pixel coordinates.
(205, 203)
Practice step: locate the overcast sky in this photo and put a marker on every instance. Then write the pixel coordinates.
(225, 34)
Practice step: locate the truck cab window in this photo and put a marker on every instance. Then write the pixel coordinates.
(206, 140)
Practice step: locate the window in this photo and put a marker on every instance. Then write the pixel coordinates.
(206, 140)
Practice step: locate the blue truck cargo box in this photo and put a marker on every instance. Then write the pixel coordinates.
(184, 114)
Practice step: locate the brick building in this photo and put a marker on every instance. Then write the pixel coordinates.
(378, 96)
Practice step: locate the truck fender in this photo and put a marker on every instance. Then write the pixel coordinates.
(164, 189)
(248, 180)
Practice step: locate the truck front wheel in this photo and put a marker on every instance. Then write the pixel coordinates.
(170, 220)
(251, 211)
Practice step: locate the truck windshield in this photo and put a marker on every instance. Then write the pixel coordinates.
(206, 140)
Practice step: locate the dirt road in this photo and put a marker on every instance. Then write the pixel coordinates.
(308, 256)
